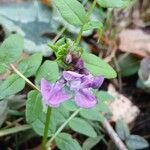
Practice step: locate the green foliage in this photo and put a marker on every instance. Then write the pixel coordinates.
(102, 107)
(104, 96)
(64, 141)
(2, 68)
(122, 129)
(34, 112)
(93, 25)
(49, 70)
(12, 85)
(97, 66)
(90, 142)
(136, 142)
(29, 66)
(113, 3)
(11, 49)
(128, 64)
(70, 105)
(91, 114)
(58, 116)
(81, 126)
(72, 11)
(61, 49)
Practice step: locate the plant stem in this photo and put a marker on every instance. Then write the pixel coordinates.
(20, 128)
(23, 77)
(59, 34)
(91, 9)
(87, 18)
(113, 135)
(79, 36)
(46, 128)
(62, 127)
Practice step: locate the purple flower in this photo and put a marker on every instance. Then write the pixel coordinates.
(82, 86)
(53, 94)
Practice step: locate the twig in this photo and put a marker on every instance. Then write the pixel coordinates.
(23, 77)
(113, 135)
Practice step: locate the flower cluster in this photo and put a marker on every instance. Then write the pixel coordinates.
(80, 85)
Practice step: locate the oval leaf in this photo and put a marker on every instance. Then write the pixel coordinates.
(83, 127)
(97, 66)
(122, 129)
(136, 142)
(49, 71)
(64, 141)
(34, 112)
(11, 48)
(113, 3)
(72, 11)
(12, 85)
(30, 65)
(91, 114)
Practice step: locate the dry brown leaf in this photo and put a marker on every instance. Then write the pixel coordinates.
(135, 41)
(121, 107)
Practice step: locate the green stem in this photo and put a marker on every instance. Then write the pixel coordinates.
(23, 77)
(79, 36)
(59, 34)
(62, 127)
(20, 128)
(87, 18)
(46, 128)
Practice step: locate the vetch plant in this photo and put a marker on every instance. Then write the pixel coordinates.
(66, 90)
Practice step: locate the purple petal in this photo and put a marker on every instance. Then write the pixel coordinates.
(87, 81)
(98, 81)
(70, 75)
(45, 89)
(85, 98)
(80, 64)
(75, 85)
(53, 94)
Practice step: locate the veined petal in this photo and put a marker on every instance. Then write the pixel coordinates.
(45, 89)
(75, 85)
(97, 82)
(70, 75)
(85, 98)
(53, 94)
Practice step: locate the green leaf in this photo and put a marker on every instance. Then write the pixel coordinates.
(128, 64)
(93, 25)
(34, 112)
(136, 142)
(64, 141)
(91, 114)
(58, 116)
(104, 96)
(113, 3)
(49, 71)
(72, 11)
(11, 49)
(2, 68)
(70, 105)
(81, 126)
(122, 129)
(33, 106)
(97, 66)
(91, 142)
(12, 85)
(102, 107)
(30, 65)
